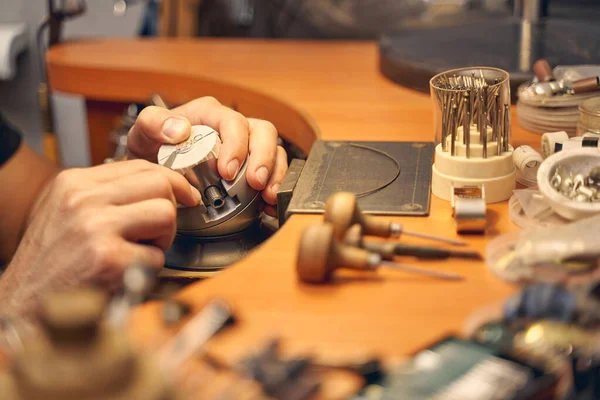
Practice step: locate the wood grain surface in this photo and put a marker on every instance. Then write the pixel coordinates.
(306, 88)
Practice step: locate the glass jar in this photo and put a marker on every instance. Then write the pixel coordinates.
(589, 117)
(479, 95)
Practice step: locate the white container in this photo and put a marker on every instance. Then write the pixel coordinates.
(578, 161)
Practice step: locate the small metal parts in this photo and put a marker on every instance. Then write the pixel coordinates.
(342, 211)
(565, 182)
(320, 254)
(581, 188)
(548, 85)
(554, 99)
(469, 209)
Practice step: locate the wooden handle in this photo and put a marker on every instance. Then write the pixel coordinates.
(385, 249)
(314, 252)
(377, 227)
(352, 257)
(586, 85)
(353, 236)
(319, 254)
(342, 212)
(543, 71)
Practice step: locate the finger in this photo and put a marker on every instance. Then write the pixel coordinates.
(125, 254)
(131, 181)
(154, 127)
(153, 220)
(271, 210)
(269, 194)
(263, 151)
(231, 125)
(148, 185)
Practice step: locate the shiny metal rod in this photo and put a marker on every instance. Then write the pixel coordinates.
(422, 271)
(455, 242)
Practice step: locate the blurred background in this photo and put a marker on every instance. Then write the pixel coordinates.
(20, 22)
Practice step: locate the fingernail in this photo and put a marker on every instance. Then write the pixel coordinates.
(275, 188)
(196, 194)
(233, 168)
(262, 174)
(174, 128)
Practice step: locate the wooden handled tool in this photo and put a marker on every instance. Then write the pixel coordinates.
(543, 71)
(388, 250)
(342, 211)
(320, 254)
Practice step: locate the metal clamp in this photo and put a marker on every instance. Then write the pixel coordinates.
(469, 208)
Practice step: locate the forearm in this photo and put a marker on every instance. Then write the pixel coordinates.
(22, 179)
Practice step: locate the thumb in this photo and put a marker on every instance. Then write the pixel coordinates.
(154, 127)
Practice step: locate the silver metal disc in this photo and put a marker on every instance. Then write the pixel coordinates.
(202, 145)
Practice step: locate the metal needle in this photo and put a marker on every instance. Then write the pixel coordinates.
(467, 125)
(444, 129)
(506, 128)
(453, 125)
(498, 125)
(483, 126)
(455, 242)
(422, 271)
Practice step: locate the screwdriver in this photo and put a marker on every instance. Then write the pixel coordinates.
(387, 250)
(341, 209)
(319, 255)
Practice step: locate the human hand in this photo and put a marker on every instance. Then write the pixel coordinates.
(267, 162)
(89, 225)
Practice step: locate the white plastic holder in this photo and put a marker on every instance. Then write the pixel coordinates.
(496, 172)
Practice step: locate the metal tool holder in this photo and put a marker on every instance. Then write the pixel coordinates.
(196, 158)
(472, 114)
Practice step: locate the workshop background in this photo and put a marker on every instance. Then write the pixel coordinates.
(322, 19)
(18, 96)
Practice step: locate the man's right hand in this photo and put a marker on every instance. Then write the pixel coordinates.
(89, 225)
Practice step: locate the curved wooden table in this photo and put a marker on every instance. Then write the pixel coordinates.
(299, 86)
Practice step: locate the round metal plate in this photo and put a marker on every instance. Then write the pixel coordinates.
(202, 145)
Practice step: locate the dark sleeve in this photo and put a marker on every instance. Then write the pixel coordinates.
(10, 140)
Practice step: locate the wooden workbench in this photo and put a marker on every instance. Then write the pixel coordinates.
(307, 89)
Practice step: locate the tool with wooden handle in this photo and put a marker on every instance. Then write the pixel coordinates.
(342, 211)
(388, 250)
(320, 254)
(543, 71)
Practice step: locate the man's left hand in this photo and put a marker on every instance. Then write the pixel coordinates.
(267, 162)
